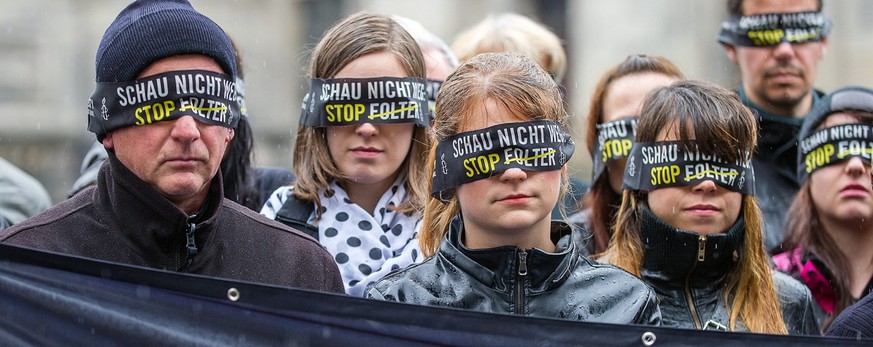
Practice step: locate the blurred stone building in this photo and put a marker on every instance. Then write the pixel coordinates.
(47, 52)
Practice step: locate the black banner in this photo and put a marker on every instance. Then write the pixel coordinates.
(614, 142)
(51, 299)
(207, 96)
(833, 145)
(351, 101)
(475, 155)
(655, 165)
(770, 29)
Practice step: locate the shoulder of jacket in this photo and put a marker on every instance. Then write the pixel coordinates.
(242, 214)
(588, 265)
(416, 271)
(54, 214)
(790, 289)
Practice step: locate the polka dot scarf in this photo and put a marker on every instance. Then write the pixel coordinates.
(367, 247)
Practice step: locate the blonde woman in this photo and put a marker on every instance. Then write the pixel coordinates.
(498, 171)
(360, 150)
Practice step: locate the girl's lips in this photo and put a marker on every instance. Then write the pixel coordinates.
(854, 190)
(703, 210)
(514, 199)
(365, 152)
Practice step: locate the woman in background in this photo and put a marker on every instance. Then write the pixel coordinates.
(829, 227)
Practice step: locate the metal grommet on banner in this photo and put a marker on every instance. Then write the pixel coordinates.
(233, 294)
(648, 338)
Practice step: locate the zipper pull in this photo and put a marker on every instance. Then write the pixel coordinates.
(701, 247)
(522, 263)
(191, 246)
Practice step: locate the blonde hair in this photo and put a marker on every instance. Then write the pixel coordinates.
(510, 32)
(721, 125)
(355, 36)
(512, 79)
(426, 39)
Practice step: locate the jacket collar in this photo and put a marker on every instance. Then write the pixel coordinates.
(672, 253)
(765, 116)
(151, 224)
(498, 267)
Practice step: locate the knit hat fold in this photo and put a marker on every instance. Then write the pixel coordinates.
(150, 30)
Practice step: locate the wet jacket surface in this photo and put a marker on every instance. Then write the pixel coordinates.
(812, 271)
(125, 220)
(690, 273)
(532, 283)
(775, 165)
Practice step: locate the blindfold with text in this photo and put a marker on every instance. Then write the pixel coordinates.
(207, 96)
(656, 165)
(614, 142)
(475, 155)
(833, 145)
(351, 101)
(770, 29)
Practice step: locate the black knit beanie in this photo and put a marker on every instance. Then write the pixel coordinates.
(846, 98)
(149, 30)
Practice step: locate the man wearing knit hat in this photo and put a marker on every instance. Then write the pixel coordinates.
(165, 108)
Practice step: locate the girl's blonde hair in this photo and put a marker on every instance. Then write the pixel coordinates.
(355, 36)
(511, 79)
(510, 32)
(715, 121)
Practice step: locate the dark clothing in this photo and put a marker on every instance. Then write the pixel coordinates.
(855, 321)
(689, 272)
(267, 180)
(124, 220)
(532, 283)
(810, 270)
(775, 165)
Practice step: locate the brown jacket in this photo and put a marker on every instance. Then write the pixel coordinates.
(125, 220)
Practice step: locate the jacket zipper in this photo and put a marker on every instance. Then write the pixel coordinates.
(701, 255)
(519, 282)
(190, 244)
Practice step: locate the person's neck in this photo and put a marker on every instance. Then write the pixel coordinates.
(852, 238)
(535, 236)
(193, 204)
(797, 110)
(367, 195)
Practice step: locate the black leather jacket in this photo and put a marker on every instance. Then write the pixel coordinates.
(689, 272)
(532, 283)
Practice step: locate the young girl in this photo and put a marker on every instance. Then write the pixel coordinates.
(614, 111)
(498, 171)
(689, 224)
(360, 150)
(830, 222)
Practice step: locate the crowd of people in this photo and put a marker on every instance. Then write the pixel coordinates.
(437, 175)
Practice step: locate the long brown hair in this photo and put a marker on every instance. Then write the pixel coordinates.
(803, 228)
(715, 121)
(601, 199)
(511, 79)
(355, 36)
